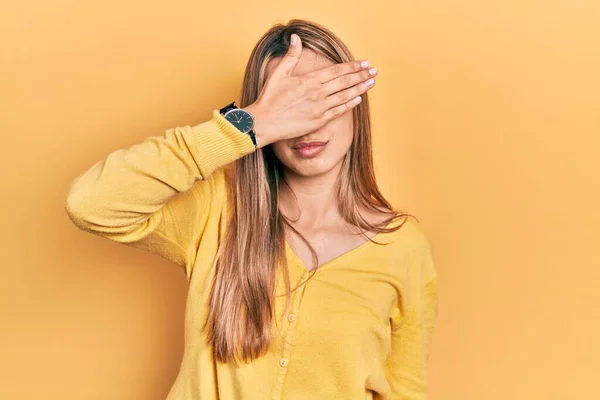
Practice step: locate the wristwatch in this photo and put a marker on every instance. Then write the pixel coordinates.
(240, 118)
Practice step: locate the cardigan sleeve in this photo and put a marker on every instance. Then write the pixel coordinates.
(411, 337)
(156, 194)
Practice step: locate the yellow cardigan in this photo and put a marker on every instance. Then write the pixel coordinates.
(360, 328)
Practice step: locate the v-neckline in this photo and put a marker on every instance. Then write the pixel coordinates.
(298, 261)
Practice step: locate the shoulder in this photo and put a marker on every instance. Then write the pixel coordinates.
(408, 232)
(410, 235)
(408, 250)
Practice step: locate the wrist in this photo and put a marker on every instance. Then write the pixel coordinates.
(261, 128)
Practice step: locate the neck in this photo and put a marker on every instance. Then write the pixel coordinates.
(310, 201)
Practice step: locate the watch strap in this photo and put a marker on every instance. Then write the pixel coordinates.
(232, 106)
(228, 107)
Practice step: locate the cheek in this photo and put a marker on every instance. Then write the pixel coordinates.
(338, 131)
(281, 150)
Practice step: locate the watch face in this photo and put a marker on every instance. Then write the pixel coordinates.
(240, 119)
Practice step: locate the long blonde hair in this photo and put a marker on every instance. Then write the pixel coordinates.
(241, 305)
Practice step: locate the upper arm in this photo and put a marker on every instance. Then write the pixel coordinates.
(172, 230)
(175, 230)
(412, 330)
(159, 193)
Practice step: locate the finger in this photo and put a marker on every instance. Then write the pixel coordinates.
(290, 60)
(348, 80)
(336, 70)
(346, 95)
(339, 110)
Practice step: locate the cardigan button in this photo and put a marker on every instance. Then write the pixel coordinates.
(283, 362)
(292, 317)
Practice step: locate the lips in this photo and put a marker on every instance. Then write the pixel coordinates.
(309, 149)
(308, 144)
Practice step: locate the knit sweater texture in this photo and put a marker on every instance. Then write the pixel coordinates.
(360, 328)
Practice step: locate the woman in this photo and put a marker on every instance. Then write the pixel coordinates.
(281, 232)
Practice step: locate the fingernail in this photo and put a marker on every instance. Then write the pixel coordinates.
(373, 71)
(370, 82)
(364, 64)
(357, 100)
(294, 39)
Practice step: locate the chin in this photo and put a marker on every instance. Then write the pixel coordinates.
(309, 167)
(308, 170)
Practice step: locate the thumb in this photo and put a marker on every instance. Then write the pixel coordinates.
(290, 60)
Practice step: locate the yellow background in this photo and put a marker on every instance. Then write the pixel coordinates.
(486, 126)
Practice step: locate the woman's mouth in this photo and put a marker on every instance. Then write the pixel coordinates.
(309, 149)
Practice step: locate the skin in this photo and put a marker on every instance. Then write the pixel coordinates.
(313, 208)
(337, 132)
